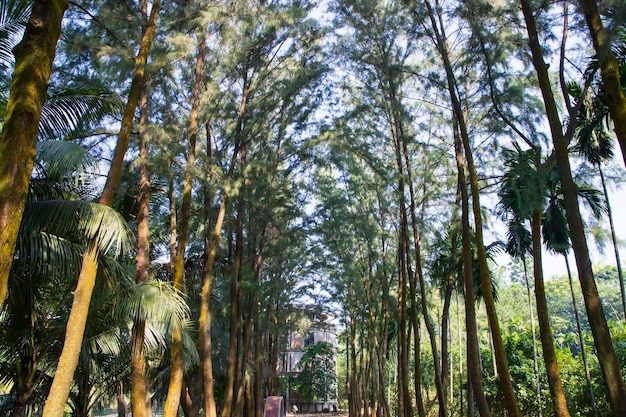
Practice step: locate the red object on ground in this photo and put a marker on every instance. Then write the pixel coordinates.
(274, 407)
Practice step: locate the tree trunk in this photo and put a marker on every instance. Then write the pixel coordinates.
(33, 66)
(138, 383)
(618, 261)
(235, 321)
(473, 356)
(609, 70)
(176, 367)
(506, 384)
(64, 376)
(121, 401)
(581, 340)
(61, 384)
(557, 392)
(531, 314)
(597, 320)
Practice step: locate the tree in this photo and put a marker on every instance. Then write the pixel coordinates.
(82, 295)
(317, 380)
(606, 353)
(522, 198)
(33, 66)
(594, 143)
(609, 69)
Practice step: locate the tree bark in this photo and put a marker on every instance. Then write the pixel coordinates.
(33, 67)
(597, 320)
(557, 392)
(64, 376)
(473, 358)
(176, 368)
(138, 383)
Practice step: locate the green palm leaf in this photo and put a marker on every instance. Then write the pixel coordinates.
(59, 159)
(63, 171)
(594, 200)
(76, 108)
(158, 304)
(84, 222)
(14, 15)
(554, 228)
(519, 239)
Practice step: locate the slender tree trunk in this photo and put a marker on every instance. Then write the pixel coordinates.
(33, 67)
(446, 359)
(473, 356)
(439, 382)
(176, 368)
(597, 320)
(531, 314)
(138, 383)
(618, 261)
(460, 337)
(204, 331)
(64, 376)
(121, 401)
(557, 392)
(581, 340)
(61, 384)
(230, 401)
(609, 70)
(506, 384)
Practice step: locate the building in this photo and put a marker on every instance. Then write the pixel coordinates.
(321, 329)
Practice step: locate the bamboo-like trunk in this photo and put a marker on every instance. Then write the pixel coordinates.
(606, 354)
(29, 85)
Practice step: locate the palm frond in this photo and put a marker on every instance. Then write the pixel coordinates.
(594, 200)
(554, 228)
(41, 253)
(154, 301)
(14, 16)
(72, 108)
(519, 240)
(79, 221)
(60, 159)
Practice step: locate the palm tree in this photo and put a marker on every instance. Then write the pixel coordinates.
(607, 357)
(522, 199)
(556, 237)
(51, 239)
(594, 143)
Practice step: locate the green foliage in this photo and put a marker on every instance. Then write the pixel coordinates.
(317, 380)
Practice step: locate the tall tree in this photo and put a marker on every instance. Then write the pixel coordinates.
(33, 67)
(436, 25)
(55, 404)
(602, 337)
(522, 197)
